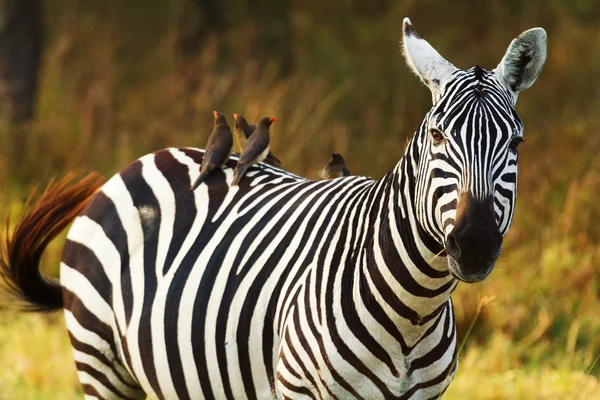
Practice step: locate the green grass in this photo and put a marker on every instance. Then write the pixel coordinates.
(36, 358)
(37, 364)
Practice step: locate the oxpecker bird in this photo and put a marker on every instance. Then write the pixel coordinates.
(255, 150)
(243, 130)
(218, 149)
(335, 168)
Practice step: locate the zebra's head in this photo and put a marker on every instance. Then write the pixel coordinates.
(465, 150)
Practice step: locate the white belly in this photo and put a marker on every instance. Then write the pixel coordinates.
(262, 155)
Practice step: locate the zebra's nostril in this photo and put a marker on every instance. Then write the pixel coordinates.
(452, 247)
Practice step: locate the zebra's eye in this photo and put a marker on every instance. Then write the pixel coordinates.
(514, 143)
(437, 136)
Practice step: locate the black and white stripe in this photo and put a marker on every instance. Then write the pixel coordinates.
(279, 288)
(479, 121)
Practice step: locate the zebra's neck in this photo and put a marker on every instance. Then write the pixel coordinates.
(400, 280)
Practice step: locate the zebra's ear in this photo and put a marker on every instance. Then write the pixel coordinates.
(523, 61)
(424, 60)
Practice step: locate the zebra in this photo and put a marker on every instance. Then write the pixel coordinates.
(283, 287)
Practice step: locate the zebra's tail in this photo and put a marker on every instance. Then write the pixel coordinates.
(20, 253)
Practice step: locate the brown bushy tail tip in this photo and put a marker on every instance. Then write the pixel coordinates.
(20, 253)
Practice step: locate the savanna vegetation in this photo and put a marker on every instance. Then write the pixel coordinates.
(121, 79)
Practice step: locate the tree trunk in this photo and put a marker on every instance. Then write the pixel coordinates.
(20, 56)
(20, 53)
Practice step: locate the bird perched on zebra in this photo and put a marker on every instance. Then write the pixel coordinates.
(255, 150)
(335, 168)
(243, 131)
(287, 288)
(218, 149)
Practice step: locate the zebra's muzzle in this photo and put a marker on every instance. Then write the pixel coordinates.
(475, 242)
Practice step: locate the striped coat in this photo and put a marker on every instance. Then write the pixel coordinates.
(229, 299)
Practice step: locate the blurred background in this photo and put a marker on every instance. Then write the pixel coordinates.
(94, 84)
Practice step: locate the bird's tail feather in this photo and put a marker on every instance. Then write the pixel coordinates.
(199, 181)
(275, 158)
(240, 170)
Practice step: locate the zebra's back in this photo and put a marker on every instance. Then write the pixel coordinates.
(194, 287)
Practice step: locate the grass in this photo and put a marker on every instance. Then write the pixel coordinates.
(350, 93)
(36, 358)
(36, 348)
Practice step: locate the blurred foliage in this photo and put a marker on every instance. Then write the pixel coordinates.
(121, 79)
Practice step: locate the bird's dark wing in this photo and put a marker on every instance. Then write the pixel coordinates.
(214, 158)
(221, 137)
(249, 130)
(217, 150)
(271, 159)
(254, 147)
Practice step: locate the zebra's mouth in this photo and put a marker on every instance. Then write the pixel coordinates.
(481, 273)
(474, 242)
